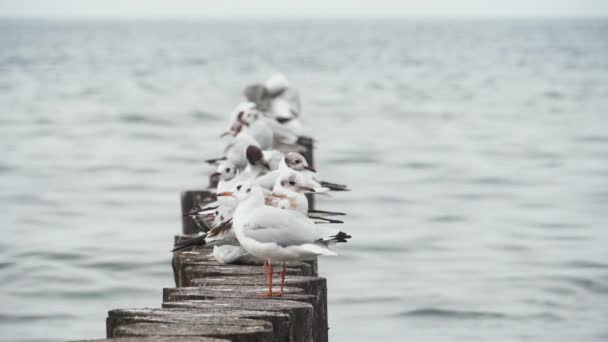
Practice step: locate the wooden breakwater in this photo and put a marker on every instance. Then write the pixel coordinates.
(219, 302)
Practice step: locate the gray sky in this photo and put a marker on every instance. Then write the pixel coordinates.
(309, 8)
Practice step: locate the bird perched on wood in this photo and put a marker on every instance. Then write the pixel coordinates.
(277, 235)
(294, 161)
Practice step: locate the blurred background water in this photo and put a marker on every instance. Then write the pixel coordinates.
(477, 151)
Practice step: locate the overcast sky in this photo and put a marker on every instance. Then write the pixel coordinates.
(300, 8)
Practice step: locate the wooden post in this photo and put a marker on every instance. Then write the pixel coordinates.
(215, 302)
(310, 285)
(199, 262)
(319, 302)
(159, 339)
(189, 200)
(300, 314)
(247, 319)
(230, 330)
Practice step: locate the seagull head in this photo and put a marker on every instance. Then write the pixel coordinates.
(246, 191)
(255, 157)
(295, 182)
(297, 162)
(276, 84)
(250, 116)
(222, 214)
(239, 114)
(226, 170)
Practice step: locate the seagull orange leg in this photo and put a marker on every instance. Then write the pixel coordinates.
(269, 275)
(283, 279)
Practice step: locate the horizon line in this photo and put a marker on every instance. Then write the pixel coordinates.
(309, 17)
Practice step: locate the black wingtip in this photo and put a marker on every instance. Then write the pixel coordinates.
(197, 241)
(324, 220)
(284, 120)
(214, 160)
(342, 237)
(325, 212)
(334, 186)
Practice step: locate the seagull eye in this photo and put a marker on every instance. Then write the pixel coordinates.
(227, 169)
(249, 190)
(298, 161)
(217, 212)
(239, 187)
(292, 183)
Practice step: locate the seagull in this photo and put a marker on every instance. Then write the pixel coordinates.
(236, 122)
(293, 161)
(277, 235)
(235, 151)
(267, 131)
(256, 164)
(289, 193)
(284, 101)
(277, 99)
(228, 174)
(254, 124)
(226, 248)
(221, 223)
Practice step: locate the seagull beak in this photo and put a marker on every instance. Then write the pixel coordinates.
(215, 174)
(227, 193)
(307, 189)
(310, 168)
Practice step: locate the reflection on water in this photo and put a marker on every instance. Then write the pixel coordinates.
(477, 151)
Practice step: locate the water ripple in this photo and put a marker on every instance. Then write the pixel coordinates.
(474, 315)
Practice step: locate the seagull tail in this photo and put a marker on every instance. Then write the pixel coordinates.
(197, 241)
(320, 249)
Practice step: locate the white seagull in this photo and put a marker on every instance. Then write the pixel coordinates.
(293, 161)
(277, 235)
(289, 193)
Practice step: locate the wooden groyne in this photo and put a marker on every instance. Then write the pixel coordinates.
(219, 302)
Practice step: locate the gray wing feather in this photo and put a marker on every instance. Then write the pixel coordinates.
(284, 227)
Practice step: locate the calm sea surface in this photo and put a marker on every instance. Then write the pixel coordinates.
(477, 152)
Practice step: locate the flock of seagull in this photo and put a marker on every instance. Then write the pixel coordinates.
(261, 211)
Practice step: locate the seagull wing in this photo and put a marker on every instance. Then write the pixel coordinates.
(286, 228)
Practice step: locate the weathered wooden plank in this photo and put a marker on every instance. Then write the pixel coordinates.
(319, 302)
(158, 339)
(315, 286)
(189, 200)
(203, 269)
(199, 263)
(231, 333)
(300, 314)
(204, 253)
(122, 323)
(309, 285)
(279, 321)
